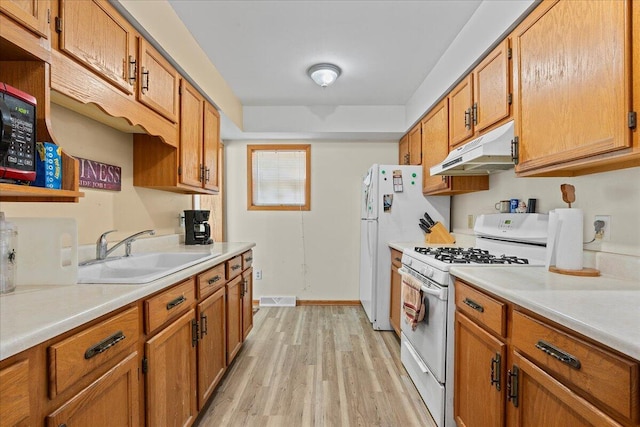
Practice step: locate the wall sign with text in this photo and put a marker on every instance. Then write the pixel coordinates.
(99, 175)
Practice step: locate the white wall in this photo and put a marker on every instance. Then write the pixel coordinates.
(312, 255)
(130, 210)
(614, 193)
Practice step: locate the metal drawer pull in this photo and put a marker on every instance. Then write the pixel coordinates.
(512, 385)
(562, 356)
(495, 371)
(176, 302)
(203, 325)
(249, 259)
(145, 80)
(214, 279)
(104, 345)
(235, 267)
(467, 118)
(397, 259)
(473, 305)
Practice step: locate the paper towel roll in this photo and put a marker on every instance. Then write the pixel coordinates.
(566, 235)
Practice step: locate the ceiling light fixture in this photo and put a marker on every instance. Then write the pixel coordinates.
(324, 74)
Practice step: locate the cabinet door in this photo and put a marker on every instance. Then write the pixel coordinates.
(543, 401)
(191, 120)
(93, 34)
(396, 295)
(171, 375)
(212, 350)
(32, 14)
(234, 317)
(111, 400)
(435, 146)
(159, 82)
(210, 146)
(403, 151)
(247, 302)
(491, 88)
(572, 82)
(415, 145)
(14, 394)
(460, 100)
(479, 390)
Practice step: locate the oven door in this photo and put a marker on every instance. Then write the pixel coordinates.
(429, 339)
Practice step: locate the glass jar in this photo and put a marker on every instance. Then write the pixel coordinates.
(8, 265)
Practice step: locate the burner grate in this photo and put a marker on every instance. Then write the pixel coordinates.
(459, 255)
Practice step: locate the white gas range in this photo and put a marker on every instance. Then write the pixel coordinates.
(427, 352)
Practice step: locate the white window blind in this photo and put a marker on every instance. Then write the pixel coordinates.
(279, 177)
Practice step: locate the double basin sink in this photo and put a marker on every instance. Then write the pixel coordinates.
(140, 268)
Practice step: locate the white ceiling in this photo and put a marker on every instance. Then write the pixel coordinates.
(386, 50)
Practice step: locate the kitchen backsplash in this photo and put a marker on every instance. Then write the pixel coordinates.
(614, 193)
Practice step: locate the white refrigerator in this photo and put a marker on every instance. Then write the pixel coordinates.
(392, 205)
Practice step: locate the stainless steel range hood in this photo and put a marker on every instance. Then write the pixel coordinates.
(485, 154)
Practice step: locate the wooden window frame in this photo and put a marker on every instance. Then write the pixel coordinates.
(279, 147)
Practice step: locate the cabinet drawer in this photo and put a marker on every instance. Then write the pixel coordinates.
(396, 258)
(86, 351)
(611, 379)
(234, 267)
(168, 304)
(14, 394)
(247, 260)
(211, 280)
(487, 311)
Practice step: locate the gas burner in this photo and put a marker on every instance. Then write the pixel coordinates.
(457, 255)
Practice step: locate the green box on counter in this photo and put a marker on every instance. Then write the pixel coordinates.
(48, 165)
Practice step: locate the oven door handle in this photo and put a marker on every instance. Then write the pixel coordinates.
(439, 293)
(415, 356)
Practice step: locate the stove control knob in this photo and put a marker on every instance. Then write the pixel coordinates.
(428, 272)
(408, 261)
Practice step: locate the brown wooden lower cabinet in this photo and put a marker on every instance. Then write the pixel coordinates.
(478, 359)
(14, 394)
(234, 317)
(544, 401)
(247, 302)
(396, 291)
(518, 369)
(111, 400)
(171, 374)
(212, 348)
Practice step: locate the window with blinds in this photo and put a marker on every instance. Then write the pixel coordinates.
(278, 177)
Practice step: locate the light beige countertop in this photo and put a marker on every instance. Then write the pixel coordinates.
(33, 314)
(605, 308)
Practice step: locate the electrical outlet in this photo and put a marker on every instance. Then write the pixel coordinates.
(258, 274)
(602, 226)
(470, 221)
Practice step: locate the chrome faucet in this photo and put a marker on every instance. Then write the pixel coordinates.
(101, 244)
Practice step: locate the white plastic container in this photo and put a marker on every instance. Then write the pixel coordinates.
(8, 253)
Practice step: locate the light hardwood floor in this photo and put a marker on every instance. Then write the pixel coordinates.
(316, 366)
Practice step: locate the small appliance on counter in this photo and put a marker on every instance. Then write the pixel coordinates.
(8, 243)
(196, 229)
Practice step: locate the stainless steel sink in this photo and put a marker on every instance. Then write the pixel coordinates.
(140, 268)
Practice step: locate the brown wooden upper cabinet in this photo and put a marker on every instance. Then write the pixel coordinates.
(572, 87)
(31, 14)
(482, 99)
(158, 83)
(199, 140)
(100, 39)
(415, 145)
(403, 150)
(410, 147)
(435, 148)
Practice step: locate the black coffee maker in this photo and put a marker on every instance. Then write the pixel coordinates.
(197, 230)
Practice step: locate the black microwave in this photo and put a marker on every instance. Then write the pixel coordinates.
(17, 135)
